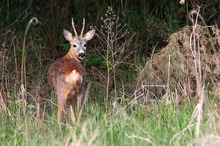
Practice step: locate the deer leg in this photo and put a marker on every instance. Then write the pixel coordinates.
(78, 102)
(72, 109)
(59, 113)
(62, 110)
(59, 107)
(61, 103)
(81, 97)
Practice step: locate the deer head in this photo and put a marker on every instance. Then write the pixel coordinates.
(78, 43)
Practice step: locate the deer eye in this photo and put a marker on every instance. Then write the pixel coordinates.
(84, 45)
(74, 46)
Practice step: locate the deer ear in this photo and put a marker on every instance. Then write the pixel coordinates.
(89, 35)
(68, 35)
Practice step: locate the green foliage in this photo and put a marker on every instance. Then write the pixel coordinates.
(94, 59)
(153, 126)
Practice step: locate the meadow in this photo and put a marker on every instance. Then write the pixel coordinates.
(151, 80)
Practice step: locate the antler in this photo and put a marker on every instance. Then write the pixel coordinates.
(74, 29)
(81, 35)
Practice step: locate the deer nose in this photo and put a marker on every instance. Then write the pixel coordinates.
(81, 55)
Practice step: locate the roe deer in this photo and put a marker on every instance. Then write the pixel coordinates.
(67, 75)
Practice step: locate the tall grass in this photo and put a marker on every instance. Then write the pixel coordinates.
(131, 126)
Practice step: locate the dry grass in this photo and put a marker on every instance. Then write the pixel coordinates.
(187, 68)
(173, 67)
(206, 140)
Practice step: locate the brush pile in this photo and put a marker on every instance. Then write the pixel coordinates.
(192, 54)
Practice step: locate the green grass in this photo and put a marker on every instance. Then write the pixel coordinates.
(138, 125)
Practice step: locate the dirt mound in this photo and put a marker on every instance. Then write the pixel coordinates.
(192, 54)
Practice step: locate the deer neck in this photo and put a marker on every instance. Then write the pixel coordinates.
(72, 54)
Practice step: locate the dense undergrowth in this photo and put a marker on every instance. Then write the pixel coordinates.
(142, 88)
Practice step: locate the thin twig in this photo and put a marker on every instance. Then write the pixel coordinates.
(23, 64)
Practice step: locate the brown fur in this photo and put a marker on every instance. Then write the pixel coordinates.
(67, 75)
(66, 89)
